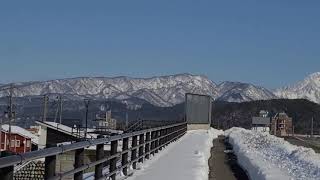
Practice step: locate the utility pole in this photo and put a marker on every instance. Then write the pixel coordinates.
(10, 115)
(312, 127)
(1, 137)
(86, 102)
(60, 107)
(45, 99)
(57, 111)
(292, 130)
(127, 115)
(127, 120)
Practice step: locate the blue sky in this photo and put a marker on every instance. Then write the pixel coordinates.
(269, 43)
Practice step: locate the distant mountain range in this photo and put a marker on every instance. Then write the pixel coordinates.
(162, 91)
(309, 88)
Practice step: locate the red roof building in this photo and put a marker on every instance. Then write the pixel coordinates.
(17, 143)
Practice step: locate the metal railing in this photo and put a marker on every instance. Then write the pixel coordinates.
(142, 144)
(146, 124)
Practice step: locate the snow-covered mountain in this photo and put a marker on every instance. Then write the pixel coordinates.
(309, 88)
(160, 91)
(240, 92)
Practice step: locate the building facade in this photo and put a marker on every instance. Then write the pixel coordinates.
(281, 125)
(262, 122)
(15, 142)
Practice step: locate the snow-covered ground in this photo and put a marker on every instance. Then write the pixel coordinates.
(268, 157)
(186, 159)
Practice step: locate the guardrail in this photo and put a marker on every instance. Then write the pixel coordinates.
(150, 141)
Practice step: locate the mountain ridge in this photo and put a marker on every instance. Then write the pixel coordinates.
(161, 91)
(308, 88)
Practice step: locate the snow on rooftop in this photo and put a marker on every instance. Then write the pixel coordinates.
(267, 157)
(59, 126)
(65, 129)
(72, 131)
(21, 131)
(186, 159)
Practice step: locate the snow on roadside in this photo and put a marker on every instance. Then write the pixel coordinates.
(186, 159)
(266, 157)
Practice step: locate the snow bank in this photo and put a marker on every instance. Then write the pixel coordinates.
(268, 157)
(186, 159)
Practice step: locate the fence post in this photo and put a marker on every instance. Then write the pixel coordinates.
(113, 161)
(152, 142)
(99, 155)
(7, 173)
(170, 136)
(161, 140)
(166, 138)
(50, 164)
(157, 141)
(78, 162)
(141, 142)
(134, 151)
(147, 147)
(124, 161)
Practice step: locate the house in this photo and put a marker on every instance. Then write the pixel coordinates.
(281, 125)
(262, 122)
(19, 141)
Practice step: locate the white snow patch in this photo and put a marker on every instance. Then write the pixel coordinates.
(185, 159)
(21, 131)
(271, 158)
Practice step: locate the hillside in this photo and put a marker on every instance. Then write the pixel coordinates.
(239, 114)
(163, 91)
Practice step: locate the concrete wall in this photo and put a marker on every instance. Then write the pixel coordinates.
(65, 161)
(43, 137)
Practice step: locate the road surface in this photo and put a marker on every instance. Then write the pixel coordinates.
(223, 166)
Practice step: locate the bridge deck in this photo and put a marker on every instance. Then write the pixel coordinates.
(186, 159)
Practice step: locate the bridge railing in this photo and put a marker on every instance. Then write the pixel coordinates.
(136, 147)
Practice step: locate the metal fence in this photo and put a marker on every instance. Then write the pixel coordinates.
(142, 144)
